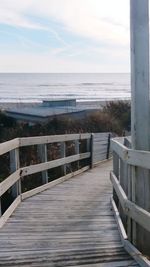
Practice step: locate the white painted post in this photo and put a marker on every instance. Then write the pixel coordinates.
(108, 146)
(15, 165)
(42, 153)
(77, 151)
(63, 155)
(91, 150)
(116, 163)
(127, 143)
(140, 109)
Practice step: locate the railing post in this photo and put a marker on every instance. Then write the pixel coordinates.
(130, 194)
(42, 153)
(77, 151)
(108, 146)
(92, 151)
(15, 165)
(116, 172)
(63, 155)
(124, 185)
(0, 208)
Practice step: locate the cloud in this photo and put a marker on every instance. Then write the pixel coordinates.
(100, 29)
(95, 19)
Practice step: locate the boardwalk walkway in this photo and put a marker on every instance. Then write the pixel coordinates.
(70, 224)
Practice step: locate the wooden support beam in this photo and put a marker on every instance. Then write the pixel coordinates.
(140, 73)
(91, 150)
(108, 146)
(77, 151)
(14, 166)
(140, 110)
(116, 172)
(42, 153)
(63, 155)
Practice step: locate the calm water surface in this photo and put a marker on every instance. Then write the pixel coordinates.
(36, 87)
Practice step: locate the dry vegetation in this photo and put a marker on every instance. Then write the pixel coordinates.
(115, 117)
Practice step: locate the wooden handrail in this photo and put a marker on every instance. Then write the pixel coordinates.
(136, 158)
(123, 177)
(13, 181)
(52, 164)
(9, 145)
(17, 173)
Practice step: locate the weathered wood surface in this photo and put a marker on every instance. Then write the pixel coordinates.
(70, 224)
(140, 111)
(100, 147)
(28, 141)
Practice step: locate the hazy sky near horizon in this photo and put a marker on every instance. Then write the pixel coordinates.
(64, 36)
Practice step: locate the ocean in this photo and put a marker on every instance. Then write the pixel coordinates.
(83, 87)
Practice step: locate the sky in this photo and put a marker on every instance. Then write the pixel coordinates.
(64, 36)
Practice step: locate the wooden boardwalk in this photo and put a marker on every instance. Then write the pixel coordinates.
(70, 224)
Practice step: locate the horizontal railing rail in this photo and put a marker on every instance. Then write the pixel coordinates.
(8, 146)
(136, 158)
(87, 151)
(29, 141)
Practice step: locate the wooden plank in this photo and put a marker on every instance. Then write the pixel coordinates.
(124, 184)
(108, 147)
(52, 164)
(8, 146)
(130, 197)
(100, 149)
(116, 162)
(111, 264)
(70, 224)
(101, 135)
(63, 155)
(100, 141)
(42, 153)
(28, 141)
(119, 221)
(141, 216)
(14, 166)
(115, 263)
(51, 184)
(92, 151)
(120, 149)
(136, 254)
(137, 158)
(97, 163)
(77, 150)
(118, 189)
(9, 211)
(8, 182)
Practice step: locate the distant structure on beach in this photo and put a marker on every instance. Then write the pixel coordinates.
(48, 109)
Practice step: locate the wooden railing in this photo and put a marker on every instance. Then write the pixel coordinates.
(69, 164)
(123, 178)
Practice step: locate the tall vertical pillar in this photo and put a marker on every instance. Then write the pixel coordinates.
(140, 112)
